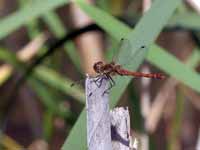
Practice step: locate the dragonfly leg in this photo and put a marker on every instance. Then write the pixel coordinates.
(112, 83)
(100, 79)
(97, 80)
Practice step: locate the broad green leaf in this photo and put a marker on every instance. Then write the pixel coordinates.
(28, 13)
(171, 65)
(145, 33)
(186, 19)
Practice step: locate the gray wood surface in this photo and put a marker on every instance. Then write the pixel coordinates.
(98, 117)
(120, 129)
(104, 125)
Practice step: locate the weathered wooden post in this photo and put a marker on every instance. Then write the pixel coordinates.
(98, 118)
(105, 130)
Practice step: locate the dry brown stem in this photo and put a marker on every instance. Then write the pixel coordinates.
(90, 43)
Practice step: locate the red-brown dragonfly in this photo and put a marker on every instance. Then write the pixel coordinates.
(110, 69)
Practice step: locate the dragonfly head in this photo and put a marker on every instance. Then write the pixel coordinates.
(98, 67)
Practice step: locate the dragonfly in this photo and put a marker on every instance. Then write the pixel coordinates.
(108, 70)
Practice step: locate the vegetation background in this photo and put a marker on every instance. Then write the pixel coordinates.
(47, 45)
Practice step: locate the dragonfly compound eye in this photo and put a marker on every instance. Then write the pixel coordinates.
(97, 66)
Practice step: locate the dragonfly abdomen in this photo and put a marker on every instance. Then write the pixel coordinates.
(140, 74)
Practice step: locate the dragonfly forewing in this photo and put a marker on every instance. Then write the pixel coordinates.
(129, 54)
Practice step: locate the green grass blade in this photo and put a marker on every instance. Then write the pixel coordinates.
(11, 59)
(171, 65)
(32, 26)
(54, 24)
(105, 21)
(53, 79)
(48, 76)
(46, 97)
(58, 29)
(28, 13)
(48, 126)
(194, 59)
(145, 33)
(174, 132)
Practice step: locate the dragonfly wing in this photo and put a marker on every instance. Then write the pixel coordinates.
(133, 56)
(116, 55)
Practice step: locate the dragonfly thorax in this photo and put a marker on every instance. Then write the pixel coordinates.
(102, 68)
